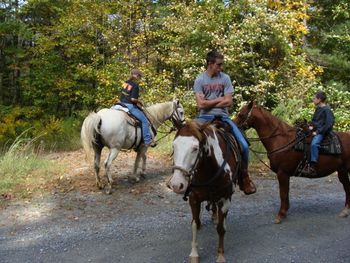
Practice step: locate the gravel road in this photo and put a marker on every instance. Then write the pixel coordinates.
(146, 223)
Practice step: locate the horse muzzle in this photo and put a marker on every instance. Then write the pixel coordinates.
(177, 183)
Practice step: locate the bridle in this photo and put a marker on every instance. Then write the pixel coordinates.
(175, 116)
(272, 135)
(246, 119)
(190, 173)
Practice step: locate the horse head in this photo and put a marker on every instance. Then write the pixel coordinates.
(244, 118)
(187, 145)
(178, 115)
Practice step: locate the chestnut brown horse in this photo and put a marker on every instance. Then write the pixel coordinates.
(206, 164)
(277, 138)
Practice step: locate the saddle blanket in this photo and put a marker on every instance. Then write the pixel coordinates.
(330, 144)
(119, 107)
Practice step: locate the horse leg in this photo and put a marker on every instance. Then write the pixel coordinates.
(283, 181)
(221, 229)
(97, 159)
(344, 179)
(214, 215)
(144, 159)
(195, 208)
(141, 153)
(111, 156)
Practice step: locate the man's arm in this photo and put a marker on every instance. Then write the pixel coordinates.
(220, 102)
(226, 102)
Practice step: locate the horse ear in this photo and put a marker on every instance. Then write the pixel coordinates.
(176, 100)
(251, 104)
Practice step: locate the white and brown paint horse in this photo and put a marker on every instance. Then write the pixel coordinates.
(205, 168)
(115, 129)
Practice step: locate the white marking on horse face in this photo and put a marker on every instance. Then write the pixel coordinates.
(218, 153)
(186, 150)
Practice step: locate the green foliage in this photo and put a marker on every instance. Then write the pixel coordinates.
(59, 58)
(20, 164)
(32, 122)
(337, 99)
(329, 41)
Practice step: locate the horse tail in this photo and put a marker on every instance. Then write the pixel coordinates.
(89, 131)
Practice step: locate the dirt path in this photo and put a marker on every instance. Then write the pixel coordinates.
(146, 223)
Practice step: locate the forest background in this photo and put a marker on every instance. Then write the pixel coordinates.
(61, 59)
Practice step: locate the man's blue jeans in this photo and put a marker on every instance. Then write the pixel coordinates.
(235, 131)
(315, 145)
(135, 111)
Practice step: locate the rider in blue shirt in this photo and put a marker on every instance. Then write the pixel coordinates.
(213, 90)
(322, 124)
(130, 98)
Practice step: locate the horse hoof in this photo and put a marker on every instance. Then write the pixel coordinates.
(278, 220)
(99, 185)
(221, 259)
(133, 179)
(109, 190)
(345, 212)
(193, 260)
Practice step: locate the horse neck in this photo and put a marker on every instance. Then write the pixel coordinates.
(159, 113)
(209, 163)
(272, 131)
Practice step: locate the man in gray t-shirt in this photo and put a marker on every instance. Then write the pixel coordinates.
(213, 90)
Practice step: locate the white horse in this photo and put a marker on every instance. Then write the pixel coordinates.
(116, 130)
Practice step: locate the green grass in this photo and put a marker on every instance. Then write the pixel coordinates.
(22, 170)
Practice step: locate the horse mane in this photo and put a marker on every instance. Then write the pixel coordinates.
(273, 119)
(157, 110)
(196, 129)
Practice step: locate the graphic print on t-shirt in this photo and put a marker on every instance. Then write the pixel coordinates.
(216, 88)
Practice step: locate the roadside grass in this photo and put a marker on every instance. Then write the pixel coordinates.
(23, 171)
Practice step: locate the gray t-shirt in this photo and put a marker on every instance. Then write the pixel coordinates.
(212, 88)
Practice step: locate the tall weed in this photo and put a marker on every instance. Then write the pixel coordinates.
(22, 169)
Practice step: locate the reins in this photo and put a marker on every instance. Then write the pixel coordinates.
(191, 173)
(171, 128)
(286, 147)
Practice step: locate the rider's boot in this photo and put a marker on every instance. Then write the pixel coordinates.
(244, 182)
(309, 170)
